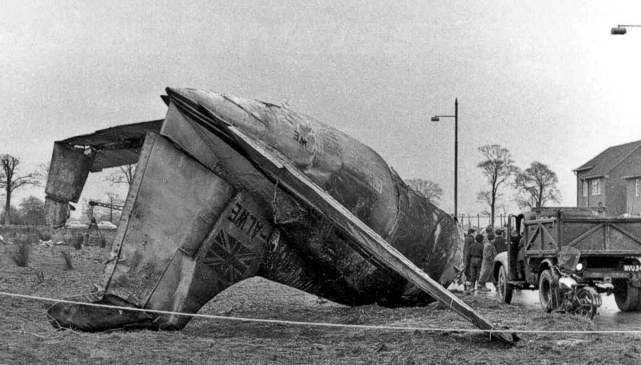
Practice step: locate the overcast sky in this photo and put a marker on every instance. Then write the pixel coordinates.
(543, 78)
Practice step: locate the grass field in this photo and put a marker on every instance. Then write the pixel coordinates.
(27, 338)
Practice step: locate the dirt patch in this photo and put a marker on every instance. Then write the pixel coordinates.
(27, 338)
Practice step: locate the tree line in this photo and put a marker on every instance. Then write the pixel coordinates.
(31, 210)
(531, 187)
(10, 181)
(535, 185)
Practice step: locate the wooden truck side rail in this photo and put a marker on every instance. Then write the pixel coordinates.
(593, 236)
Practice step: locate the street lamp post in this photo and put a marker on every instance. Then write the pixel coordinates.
(621, 29)
(455, 116)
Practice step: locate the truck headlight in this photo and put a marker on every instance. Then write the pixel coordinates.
(579, 266)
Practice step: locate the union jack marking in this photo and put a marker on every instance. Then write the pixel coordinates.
(229, 258)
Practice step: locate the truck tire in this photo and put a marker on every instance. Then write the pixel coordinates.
(547, 291)
(626, 296)
(504, 287)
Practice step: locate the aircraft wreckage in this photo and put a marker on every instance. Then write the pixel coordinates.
(228, 188)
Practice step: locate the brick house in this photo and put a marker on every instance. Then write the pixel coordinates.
(612, 179)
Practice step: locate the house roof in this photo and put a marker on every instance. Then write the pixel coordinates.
(607, 160)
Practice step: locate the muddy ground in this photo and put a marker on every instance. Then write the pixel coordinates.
(27, 338)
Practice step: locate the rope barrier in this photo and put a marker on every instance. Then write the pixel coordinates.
(320, 324)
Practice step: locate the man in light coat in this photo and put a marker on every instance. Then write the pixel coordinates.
(487, 265)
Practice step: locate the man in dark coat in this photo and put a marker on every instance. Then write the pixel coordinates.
(475, 259)
(469, 239)
(517, 243)
(489, 230)
(500, 243)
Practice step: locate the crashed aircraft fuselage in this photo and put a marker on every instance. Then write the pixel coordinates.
(203, 213)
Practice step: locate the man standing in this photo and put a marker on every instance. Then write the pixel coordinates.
(469, 239)
(487, 265)
(500, 243)
(517, 243)
(489, 230)
(474, 257)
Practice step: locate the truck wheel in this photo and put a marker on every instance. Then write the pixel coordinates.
(626, 296)
(504, 287)
(547, 293)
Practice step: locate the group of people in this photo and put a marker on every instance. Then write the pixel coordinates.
(479, 252)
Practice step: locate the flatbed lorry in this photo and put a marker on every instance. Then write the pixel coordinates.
(609, 249)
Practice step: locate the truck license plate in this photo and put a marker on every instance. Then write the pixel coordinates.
(631, 267)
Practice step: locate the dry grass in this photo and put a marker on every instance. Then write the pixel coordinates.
(28, 234)
(27, 338)
(44, 234)
(20, 255)
(40, 276)
(102, 242)
(67, 259)
(76, 241)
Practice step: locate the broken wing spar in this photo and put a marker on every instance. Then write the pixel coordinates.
(360, 236)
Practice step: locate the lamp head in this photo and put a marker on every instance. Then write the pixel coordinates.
(435, 119)
(618, 30)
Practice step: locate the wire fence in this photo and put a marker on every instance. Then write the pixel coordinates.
(481, 220)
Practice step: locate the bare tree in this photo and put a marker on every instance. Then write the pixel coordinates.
(42, 173)
(497, 168)
(429, 189)
(113, 199)
(10, 181)
(123, 175)
(537, 186)
(523, 202)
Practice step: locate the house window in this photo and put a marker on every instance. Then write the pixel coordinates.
(636, 187)
(596, 187)
(585, 189)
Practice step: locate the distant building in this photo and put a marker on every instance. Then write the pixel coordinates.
(612, 179)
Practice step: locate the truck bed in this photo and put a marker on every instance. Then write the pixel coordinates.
(593, 236)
